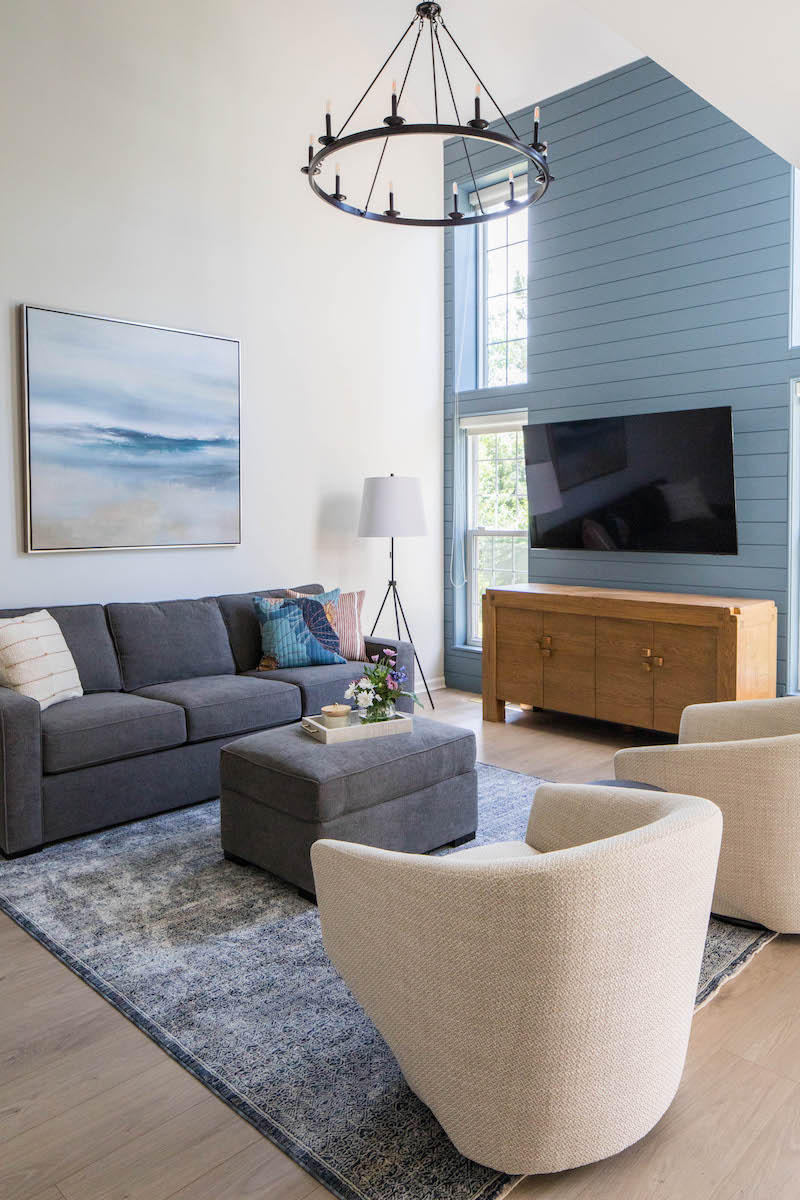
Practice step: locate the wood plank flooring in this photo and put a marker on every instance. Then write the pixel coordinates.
(91, 1109)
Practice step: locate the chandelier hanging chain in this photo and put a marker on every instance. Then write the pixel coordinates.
(433, 66)
(399, 98)
(458, 122)
(533, 153)
(480, 81)
(379, 72)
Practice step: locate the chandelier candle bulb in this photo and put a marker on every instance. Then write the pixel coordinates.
(477, 102)
(536, 125)
(394, 97)
(511, 186)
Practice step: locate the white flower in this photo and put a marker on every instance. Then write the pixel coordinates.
(364, 697)
(351, 691)
(364, 682)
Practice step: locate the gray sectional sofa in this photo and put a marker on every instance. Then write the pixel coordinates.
(166, 685)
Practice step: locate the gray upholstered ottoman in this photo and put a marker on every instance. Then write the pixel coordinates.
(281, 791)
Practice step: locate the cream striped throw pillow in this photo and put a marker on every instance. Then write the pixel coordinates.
(35, 660)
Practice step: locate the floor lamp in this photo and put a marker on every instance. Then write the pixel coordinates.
(392, 507)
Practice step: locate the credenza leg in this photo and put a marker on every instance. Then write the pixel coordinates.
(493, 709)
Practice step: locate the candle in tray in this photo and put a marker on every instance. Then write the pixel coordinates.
(336, 716)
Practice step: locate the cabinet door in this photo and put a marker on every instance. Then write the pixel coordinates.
(519, 659)
(624, 671)
(568, 668)
(684, 671)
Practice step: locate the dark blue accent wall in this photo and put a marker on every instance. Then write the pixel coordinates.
(659, 279)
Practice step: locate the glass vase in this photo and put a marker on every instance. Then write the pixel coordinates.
(382, 710)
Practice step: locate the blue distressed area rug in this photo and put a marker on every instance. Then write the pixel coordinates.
(223, 966)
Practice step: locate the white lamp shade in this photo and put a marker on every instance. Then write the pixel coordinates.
(392, 507)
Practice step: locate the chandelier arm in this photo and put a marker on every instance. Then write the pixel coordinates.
(399, 98)
(480, 81)
(458, 122)
(380, 70)
(435, 93)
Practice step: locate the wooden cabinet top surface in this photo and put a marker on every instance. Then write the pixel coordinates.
(641, 604)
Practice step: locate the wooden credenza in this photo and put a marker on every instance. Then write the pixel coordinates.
(637, 658)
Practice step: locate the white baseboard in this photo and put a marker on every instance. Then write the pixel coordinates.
(434, 684)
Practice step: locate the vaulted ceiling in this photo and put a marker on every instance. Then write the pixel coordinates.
(740, 56)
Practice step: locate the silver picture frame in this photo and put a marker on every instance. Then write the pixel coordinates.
(33, 540)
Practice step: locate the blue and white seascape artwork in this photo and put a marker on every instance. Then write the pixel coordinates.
(133, 435)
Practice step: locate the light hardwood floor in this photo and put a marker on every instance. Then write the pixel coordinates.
(91, 1109)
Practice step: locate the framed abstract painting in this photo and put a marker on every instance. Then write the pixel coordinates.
(132, 434)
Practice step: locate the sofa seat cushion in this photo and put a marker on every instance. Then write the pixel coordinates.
(217, 705)
(318, 685)
(287, 770)
(106, 726)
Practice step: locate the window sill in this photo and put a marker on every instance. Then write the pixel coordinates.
(465, 646)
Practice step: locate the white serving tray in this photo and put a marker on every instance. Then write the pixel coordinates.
(356, 730)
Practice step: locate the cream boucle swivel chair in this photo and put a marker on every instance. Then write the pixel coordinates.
(537, 995)
(745, 756)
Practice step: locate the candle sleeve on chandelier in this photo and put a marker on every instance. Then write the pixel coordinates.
(477, 102)
(536, 124)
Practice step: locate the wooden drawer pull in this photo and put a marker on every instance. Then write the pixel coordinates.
(647, 652)
(647, 666)
(658, 662)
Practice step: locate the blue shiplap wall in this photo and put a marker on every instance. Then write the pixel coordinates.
(659, 279)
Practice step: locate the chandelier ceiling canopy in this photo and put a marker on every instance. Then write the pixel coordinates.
(429, 26)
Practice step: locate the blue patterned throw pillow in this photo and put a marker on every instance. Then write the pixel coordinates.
(286, 640)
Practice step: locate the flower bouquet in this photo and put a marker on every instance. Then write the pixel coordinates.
(379, 687)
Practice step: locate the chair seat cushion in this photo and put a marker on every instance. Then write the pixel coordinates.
(497, 851)
(216, 705)
(318, 685)
(286, 769)
(105, 726)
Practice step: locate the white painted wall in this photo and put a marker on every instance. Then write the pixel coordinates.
(150, 156)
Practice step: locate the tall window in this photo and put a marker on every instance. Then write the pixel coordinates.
(503, 290)
(497, 510)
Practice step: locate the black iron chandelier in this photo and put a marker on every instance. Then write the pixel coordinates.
(394, 125)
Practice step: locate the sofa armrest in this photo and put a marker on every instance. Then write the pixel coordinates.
(21, 825)
(405, 658)
(735, 720)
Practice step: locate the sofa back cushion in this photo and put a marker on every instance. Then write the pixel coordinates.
(244, 630)
(169, 640)
(86, 633)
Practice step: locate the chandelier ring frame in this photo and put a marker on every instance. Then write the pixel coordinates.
(534, 154)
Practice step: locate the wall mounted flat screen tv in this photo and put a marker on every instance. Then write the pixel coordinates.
(654, 482)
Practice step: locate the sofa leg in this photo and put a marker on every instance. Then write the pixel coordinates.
(468, 837)
(234, 858)
(23, 853)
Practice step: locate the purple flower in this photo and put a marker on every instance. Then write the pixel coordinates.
(374, 657)
(389, 652)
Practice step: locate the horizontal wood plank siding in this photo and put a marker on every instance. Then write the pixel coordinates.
(659, 280)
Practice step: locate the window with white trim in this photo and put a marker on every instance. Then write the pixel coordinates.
(794, 325)
(502, 288)
(497, 509)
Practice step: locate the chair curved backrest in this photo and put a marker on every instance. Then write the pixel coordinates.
(539, 1004)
